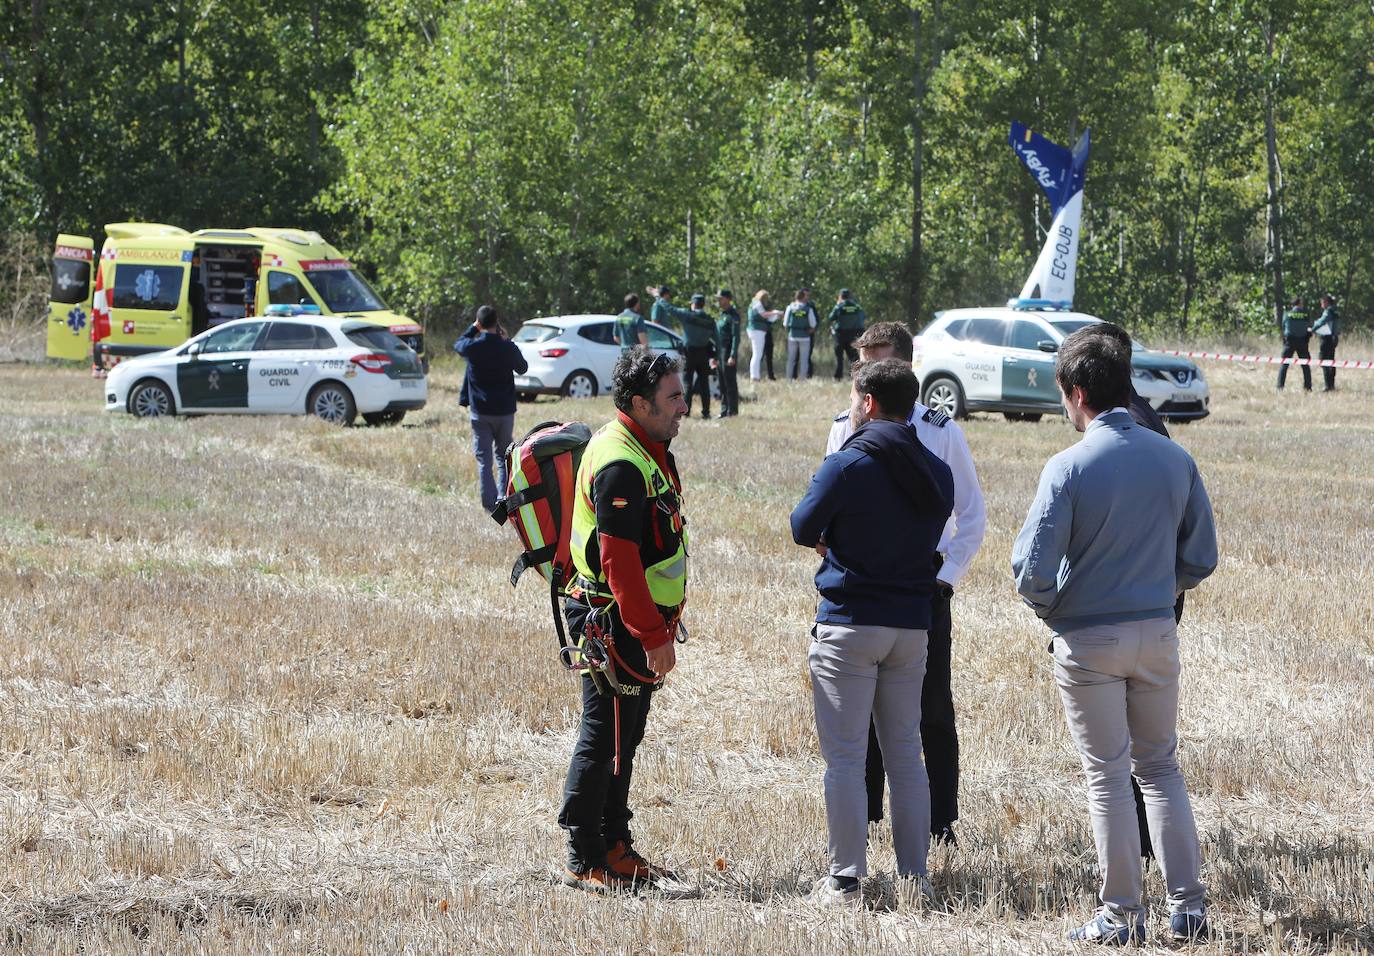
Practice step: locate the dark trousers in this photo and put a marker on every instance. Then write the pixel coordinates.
(1326, 350)
(697, 376)
(768, 354)
(939, 739)
(1296, 345)
(845, 352)
(729, 389)
(596, 800)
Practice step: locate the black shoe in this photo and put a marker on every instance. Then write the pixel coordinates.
(705, 415)
(944, 836)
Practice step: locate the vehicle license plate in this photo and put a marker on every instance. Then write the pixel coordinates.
(1182, 397)
(409, 383)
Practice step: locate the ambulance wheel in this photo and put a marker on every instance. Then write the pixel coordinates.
(332, 403)
(944, 395)
(151, 400)
(383, 418)
(580, 384)
(1022, 416)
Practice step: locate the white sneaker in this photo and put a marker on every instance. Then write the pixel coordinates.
(829, 892)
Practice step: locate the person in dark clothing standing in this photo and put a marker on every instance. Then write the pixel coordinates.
(875, 511)
(493, 362)
(1296, 334)
(727, 353)
(699, 333)
(629, 548)
(1328, 331)
(847, 321)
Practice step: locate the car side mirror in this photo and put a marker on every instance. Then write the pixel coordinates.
(1045, 345)
(195, 350)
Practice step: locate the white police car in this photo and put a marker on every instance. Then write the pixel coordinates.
(1002, 359)
(280, 363)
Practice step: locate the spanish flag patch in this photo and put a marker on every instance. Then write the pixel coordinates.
(619, 502)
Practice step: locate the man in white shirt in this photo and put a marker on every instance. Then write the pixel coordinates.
(960, 542)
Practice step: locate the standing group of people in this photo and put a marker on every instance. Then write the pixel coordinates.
(800, 321)
(1297, 330)
(1120, 526)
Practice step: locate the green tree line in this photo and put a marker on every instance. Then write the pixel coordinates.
(551, 156)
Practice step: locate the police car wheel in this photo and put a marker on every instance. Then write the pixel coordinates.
(383, 418)
(580, 384)
(944, 395)
(1022, 416)
(151, 400)
(332, 403)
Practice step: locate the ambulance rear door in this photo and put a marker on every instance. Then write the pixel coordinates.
(149, 300)
(69, 302)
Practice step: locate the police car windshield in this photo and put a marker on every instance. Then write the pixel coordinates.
(1067, 327)
(343, 290)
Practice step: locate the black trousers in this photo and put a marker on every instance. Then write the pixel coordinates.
(939, 738)
(697, 375)
(1326, 350)
(596, 800)
(729, 389)
(845, 352)
(768, 353)
(1296, 345)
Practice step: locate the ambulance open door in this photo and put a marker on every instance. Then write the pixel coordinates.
(69, 302)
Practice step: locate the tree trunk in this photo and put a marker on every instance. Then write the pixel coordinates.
(914, 264)
(1274, 196)
(38, 115)
(314, 116)
(1190, 260)
(691, 245)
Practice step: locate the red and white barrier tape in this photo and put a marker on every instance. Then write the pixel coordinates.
(1270, 359)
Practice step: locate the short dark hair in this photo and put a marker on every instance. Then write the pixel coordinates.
(892, 384)
(486, 317)
(631, 301)
(1112, 333)
(1297, 301)
(893, 334)
(638, 372)
(803, 291)
(1092, 359)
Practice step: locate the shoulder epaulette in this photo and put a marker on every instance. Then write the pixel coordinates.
(842, 417)
(935, 417)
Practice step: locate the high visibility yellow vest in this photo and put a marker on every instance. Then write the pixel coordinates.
(667, 579)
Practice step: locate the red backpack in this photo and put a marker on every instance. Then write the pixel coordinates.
(540, 489)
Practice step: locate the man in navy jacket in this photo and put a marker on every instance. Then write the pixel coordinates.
(875, 511)
(493, 362)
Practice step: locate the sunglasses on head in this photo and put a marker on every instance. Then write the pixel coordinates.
(663, 360)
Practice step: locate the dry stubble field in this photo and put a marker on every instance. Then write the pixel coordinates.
(265, 687)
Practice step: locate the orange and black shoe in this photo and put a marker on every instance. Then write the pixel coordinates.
(596, 879)
(622, 860)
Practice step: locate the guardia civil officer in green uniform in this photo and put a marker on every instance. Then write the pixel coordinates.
(1327, 328)
(847, 321)
(630, 329)
(727, 352)
(1297, 332)
(699, 334)
(629, 547)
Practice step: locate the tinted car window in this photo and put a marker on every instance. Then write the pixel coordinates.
(377, 338)
(234, 338)
(602, 333)
(71, 279)
(662, 339)
(955, 329)
(1027, 335)
(291, 335)
(534, 332)
(148, 287)
(986, 331)
(285, 289)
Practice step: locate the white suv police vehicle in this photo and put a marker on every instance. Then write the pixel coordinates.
(278, 364)
(1002, 360)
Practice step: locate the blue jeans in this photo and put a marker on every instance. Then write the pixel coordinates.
(491, 436)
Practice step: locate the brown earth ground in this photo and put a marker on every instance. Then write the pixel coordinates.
(265, 687)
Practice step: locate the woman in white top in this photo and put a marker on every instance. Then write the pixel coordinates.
(761, 318)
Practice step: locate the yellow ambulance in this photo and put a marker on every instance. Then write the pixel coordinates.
(163, 285)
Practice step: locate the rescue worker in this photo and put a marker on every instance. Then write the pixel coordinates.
(629, 548)
(799, 319)
(1296, 334)
(698, 333)
(847, 322)
(962, 537)
(630, 329)
(1327, 328)
(727, 353)
(762, 318)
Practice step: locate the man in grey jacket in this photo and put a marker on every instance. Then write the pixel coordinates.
(1120, 526)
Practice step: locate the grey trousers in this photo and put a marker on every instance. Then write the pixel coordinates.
(798, 357)
(1119, 685)
(491, 434)
(860, 672)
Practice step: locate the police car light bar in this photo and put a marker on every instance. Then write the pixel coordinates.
(1039, 305)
